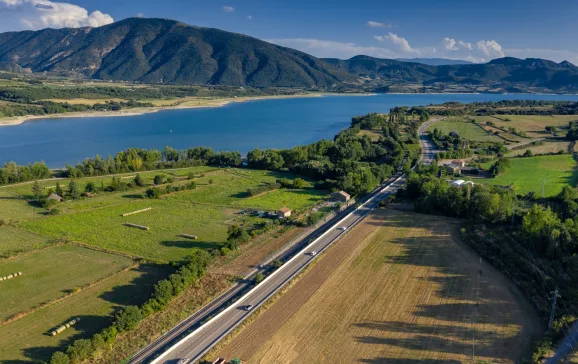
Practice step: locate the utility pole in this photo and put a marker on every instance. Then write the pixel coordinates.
(553, 309)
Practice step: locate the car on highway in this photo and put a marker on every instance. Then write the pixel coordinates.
(183, 361)
(313, 253)
(342, 228)
(248, 307)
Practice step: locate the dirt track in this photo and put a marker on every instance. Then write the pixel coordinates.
(398, 288)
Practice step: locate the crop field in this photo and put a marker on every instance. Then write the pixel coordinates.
(104, 228)
(533, 125)
(399, 288)
(529, 174)
(546, 148)
(465, 129)
(14, 241)
(51, 273)
(25, 340)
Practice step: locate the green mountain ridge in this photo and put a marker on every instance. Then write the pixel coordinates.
(167, 51)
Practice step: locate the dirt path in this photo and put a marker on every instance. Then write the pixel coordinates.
(399, 288)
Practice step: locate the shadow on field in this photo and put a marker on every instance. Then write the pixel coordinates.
(188, 244)
(461, 309)
(139, 289)
(134, 196)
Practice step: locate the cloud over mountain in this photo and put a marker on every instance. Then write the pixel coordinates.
(38, 14)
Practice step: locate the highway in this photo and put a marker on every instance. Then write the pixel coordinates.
(226, 315)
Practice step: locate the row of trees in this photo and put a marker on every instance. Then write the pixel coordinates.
(13, 173)
(128, 318)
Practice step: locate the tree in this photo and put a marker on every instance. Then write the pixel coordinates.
(90, 187)
(128, 319)
(158, 180)
(153, 192)
(37, 191)
(138, 180)
(59, 358)
(163, 292)
(79, 350)
(299, 183)
(237, 235)
(58, 190)
(73, 190)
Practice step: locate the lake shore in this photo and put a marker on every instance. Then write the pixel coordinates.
(190, 103)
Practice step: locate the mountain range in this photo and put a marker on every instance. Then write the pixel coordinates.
(167, 51)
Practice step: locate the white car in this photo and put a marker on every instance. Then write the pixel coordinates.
(248, 307)
(343, 228)
(313, 253)
(183, 361)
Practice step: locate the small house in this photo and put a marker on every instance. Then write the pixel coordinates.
(452, 169)
(283, 213)
(459, 163)
(341, 196)
(54, 197)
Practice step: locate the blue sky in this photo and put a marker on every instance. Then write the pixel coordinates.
(466, 29)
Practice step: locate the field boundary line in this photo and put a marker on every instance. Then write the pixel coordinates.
(32, 310)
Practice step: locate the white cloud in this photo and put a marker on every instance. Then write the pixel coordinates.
(490, 48)
(377, 24)
(332, 49)
(228, 9)
(140, 15)
(37, 14)
(398, 41)
(249, 17)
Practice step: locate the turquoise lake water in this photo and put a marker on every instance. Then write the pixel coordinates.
(276, 123)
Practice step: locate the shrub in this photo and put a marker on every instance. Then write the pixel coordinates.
(79, 350)
(191, 175)
(225, 251)
(153, 192)
(59, 358)
(138, 181)
(158, 180)
(54, 212)
(170, 180)
(259, 278)
(211, 181)
(128, 318)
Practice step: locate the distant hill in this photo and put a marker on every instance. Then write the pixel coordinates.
(434, 61)
(167, 51)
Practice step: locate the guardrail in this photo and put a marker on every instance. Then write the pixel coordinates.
(211, 321)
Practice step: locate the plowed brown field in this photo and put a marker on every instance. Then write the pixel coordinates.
(399, 288)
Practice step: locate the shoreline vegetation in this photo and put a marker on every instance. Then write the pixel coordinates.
(183, 103)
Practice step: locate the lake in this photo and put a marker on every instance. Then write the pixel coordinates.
(275, 123)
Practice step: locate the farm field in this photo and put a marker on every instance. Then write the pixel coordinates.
(528, 174)
(399, 288)
(15, 241)
(25, 340)
(546, 148)
(52, 273)
(533, 125)
(465, 129)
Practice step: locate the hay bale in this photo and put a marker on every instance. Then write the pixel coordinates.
(137, 212)
(141, 227)
(193, 237)
(64, 326)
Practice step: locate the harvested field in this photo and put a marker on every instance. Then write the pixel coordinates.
(26, 340)
(14, 241)
(533, 125)
(52, 273)
(399, 288)
(546, 148)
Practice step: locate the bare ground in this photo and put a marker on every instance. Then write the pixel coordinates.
(399, 288)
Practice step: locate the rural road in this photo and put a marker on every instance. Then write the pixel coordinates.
(226, 315)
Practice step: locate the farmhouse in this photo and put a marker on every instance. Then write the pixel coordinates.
(283, 213)
(54, 197)
(459, 163)
(341, 196)
(453, 169)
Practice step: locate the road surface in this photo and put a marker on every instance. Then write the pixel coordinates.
(228, 316)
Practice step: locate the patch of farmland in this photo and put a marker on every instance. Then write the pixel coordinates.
(546, 148)
(533, 125)
(52, 273)
(104, 228)
(15, 241)
(465, 129)
(25, 340)
(528, 174)
(14, 209)
(397, 289)
(293, 199)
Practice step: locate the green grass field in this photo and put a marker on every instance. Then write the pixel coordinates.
(465, 129)
(51, 273)
(25, 340)
(528, 174)
(15, 241)
(533, 125)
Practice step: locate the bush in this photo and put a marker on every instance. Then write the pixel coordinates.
(54, 212)
(225, 251)
(59, 358)
(191, 175)
(138, 181)
(159, 179)
(211, 181)
(259, 278)
(153, 192)
(79, 350)
(128, 319)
